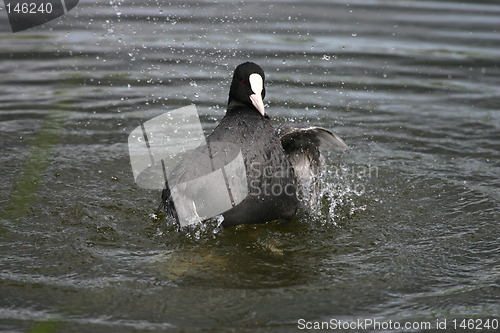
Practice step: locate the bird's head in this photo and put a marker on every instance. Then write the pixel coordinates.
(247, 86)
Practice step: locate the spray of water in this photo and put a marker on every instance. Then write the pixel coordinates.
(334, 193)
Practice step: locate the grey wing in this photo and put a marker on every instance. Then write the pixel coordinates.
(303, 144)
(302, 135)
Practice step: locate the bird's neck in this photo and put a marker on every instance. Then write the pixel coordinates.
(234, 105)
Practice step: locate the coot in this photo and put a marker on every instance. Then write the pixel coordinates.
(277, 161)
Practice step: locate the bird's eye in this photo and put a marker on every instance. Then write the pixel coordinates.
(243, 83)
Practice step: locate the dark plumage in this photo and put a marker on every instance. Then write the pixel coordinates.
(276, 161)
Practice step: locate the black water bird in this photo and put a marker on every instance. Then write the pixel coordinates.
(277, 161)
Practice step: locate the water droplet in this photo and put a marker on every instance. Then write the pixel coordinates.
(354, 34)
(325, 57)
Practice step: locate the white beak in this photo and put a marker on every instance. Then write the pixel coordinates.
(257, 84)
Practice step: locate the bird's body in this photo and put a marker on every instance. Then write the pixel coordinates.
(270, 176)
(269, 156)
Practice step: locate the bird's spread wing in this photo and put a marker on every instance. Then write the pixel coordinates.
(303, 144)
(297, 136)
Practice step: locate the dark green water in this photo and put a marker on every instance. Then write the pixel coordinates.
(409, 230)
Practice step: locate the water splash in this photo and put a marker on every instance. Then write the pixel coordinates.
(334, 194)
(209, 229)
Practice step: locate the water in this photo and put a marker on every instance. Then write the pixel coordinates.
(408, 230)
